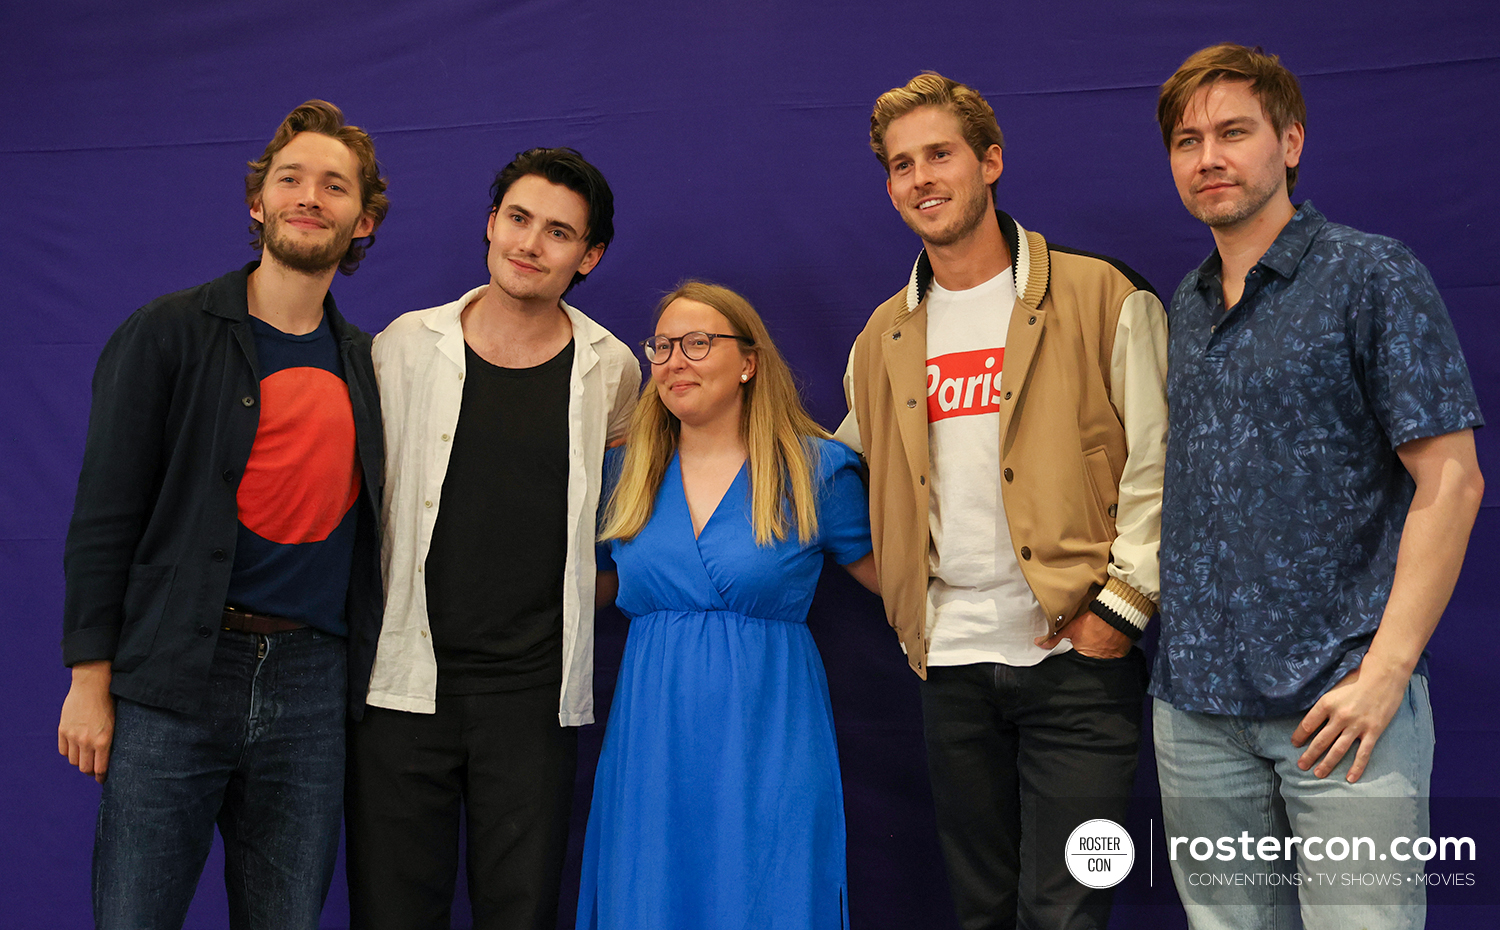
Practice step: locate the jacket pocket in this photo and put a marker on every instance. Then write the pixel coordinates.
(146, 595)
(1101, 481)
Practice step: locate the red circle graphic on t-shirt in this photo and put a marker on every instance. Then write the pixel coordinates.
(303, 475)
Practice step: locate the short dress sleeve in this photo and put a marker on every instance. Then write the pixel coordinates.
(843, 504)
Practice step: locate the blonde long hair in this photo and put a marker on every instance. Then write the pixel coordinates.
(773, 425)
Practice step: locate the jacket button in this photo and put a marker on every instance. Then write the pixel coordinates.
(922, 479)
(229, 474)
(220, 555)
(1007, 395)
(248, 401)
(1113, 510)
(205, 632)
(896, 335)
(1026, 553)
(1031, 321)
(911, 402)
(1009, 475)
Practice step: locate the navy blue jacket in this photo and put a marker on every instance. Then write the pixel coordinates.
(176, 403)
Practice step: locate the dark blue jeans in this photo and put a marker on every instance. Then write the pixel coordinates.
(263, 758)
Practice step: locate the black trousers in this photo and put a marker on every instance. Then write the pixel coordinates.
(1018, 758)
(502, 760)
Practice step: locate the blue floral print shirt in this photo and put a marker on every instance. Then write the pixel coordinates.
(1284, 497)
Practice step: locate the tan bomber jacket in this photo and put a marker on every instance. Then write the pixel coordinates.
(1082, 437)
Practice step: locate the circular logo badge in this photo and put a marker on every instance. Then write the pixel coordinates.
(1099, 853)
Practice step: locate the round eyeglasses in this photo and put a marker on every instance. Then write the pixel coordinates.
(695, 346)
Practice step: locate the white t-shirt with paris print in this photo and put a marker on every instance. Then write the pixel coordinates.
(979, 606)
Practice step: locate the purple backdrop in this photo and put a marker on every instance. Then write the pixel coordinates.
(735, 143)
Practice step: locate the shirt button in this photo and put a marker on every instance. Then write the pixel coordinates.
(427, 503)
(1026, 553)
(219, 555)
(248, 401)
(460, 376)
(445, 437)
(204, 632)
(911, 402)
(424, 634)
(1009, 475)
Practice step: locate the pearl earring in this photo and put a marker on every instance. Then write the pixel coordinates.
(744, 377)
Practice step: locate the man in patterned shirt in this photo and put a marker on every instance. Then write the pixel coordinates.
(1321, 484)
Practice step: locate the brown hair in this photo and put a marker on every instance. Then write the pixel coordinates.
(773, 425)
(930, 89)
(1272, 84)
(324, 118)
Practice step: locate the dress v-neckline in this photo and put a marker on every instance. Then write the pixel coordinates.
(687, 506)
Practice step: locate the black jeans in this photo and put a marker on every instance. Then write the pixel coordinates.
(1018, 758)
(505, 760)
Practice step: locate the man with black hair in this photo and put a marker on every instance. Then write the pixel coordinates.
(499, 407)
(222, 562)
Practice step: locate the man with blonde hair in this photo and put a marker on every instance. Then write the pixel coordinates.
(1321, 483)
(222, 568)
(1009, 401)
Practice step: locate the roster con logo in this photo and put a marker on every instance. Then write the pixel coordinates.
(964, 384)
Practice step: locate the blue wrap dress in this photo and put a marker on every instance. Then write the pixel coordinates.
(717, 801)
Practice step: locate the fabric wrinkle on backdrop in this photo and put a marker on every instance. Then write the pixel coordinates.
(736, 142)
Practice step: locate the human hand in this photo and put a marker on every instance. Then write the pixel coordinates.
(87, 726)
(1357, 709)
(1090, 636)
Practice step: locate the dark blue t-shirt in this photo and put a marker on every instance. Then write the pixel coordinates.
(296, 498)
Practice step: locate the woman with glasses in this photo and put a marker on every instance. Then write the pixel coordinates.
(717, 801)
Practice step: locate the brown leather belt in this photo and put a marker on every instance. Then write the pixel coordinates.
(244, 621)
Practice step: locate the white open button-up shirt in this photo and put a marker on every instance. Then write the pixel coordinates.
(419, 363)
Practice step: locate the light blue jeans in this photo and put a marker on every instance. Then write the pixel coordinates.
(1237, 778)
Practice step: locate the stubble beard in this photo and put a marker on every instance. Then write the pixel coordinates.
(974, 209)
(307, 259)
(1249, 203)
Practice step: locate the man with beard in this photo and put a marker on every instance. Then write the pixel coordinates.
(1321, 485)
(1009, 401)
(499, 406)
(222, 563)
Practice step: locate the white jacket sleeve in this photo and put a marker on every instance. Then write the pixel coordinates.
(1138, 375)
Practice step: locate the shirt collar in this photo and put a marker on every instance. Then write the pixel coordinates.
(1296, 237)
(1284, 255)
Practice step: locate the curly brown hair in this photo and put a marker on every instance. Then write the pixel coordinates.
(324, 118)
